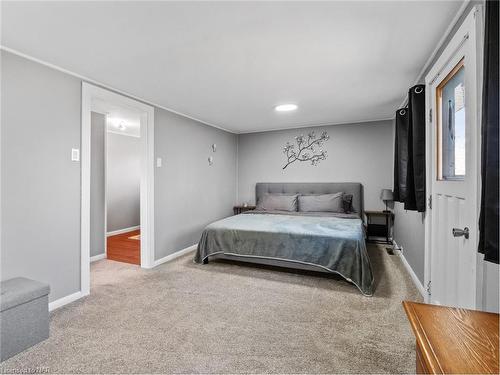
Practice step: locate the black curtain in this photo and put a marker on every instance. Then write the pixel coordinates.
(401, 154)
(488, 219)
(415, 166)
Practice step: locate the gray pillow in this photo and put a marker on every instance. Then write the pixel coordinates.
(347, 201)
(277, 202)
(322, 203)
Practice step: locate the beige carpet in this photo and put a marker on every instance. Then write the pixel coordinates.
(226, 318)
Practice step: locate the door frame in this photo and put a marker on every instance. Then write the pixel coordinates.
(468, 33)
(89, 93)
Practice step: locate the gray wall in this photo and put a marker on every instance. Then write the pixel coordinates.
(189, 193)
(356, 153)
(40, 185)
(40, 195)
(491, 286)
(409, 234)
(123, 178)
(97, 211)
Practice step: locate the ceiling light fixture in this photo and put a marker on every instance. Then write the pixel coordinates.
(285, 107)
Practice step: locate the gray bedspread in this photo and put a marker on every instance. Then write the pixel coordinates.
(332, 243)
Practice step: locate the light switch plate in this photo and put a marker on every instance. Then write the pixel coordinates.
(75, 154)
(159, 162)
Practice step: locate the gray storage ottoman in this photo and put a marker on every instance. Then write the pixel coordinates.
(24, 316)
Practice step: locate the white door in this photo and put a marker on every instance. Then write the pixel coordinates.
(453, 171)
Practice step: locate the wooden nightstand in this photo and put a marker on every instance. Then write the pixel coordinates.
(381, 228)
(453, 341)
(239, 209)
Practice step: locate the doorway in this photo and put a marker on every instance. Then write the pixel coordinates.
(453, 172)
(115, 183)
(128, 236)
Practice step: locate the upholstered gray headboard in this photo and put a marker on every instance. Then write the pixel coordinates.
(354, 188)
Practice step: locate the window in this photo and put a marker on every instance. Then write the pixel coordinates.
(451, 125)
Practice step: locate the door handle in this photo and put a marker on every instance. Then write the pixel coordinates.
(461, 232)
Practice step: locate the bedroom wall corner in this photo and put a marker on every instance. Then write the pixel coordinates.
(190, 193)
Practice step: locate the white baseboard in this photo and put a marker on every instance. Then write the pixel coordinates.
(124, 230)
(175, 255)
(97, 257)
(65, 300)
(395, 245)
(410, 271)
(73, 297)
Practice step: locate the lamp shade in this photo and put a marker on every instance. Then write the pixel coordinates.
(386, 195)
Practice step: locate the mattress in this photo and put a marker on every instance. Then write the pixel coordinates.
(331, 242)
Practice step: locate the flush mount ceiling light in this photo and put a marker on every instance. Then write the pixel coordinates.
(286, 107)
(119, 123)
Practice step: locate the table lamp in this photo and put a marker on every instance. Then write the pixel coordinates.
(386, 196)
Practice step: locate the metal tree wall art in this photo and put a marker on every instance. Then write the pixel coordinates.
(308, 149)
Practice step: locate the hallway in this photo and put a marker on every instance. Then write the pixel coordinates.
(125, 247)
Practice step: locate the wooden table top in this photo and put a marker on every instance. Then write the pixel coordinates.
(455, 341)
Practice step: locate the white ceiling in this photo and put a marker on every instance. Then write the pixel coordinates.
(229, 63)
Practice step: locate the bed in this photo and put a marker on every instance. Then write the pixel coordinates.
(332, 242)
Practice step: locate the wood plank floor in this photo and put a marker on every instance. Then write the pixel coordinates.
(123, 249)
